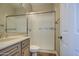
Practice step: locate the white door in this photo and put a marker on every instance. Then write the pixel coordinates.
(69, 27)
(42, 30)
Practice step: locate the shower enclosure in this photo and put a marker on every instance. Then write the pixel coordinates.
(38, 25)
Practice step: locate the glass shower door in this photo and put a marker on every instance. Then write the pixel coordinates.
(41, 30)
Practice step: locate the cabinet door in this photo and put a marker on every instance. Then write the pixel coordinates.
(25, 51)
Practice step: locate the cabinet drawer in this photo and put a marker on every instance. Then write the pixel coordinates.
(25, 43)
(10, 50)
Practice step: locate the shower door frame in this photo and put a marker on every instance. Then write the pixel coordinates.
(36, 13)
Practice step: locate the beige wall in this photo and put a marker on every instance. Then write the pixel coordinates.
(35, 7)
(42, 7)
(23, 9)
(5, 9)
(20, 11)
(57, 9)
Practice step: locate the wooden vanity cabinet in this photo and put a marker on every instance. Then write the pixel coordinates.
(19, 49)
(13, 50)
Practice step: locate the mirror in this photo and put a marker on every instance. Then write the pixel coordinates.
(17, 24)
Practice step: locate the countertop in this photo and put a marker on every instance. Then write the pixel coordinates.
(7, 42)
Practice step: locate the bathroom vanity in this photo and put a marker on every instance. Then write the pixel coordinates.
(19, 46)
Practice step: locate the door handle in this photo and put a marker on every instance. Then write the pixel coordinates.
(60, 37)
